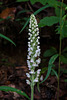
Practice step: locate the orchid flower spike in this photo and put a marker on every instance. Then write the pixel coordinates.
(33, 57)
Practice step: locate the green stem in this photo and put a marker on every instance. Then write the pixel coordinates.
(60, 50)
(32, 88)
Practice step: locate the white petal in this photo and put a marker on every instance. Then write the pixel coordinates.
(38, 61)
(28, 57)
(41, 78)
(32, 72)
(28, 75)
(36, 80)
(29, 30)
(32, 60)
(28, 82)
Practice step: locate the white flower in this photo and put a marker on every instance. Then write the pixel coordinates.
(38, 47)
(37, 51)
(35, 55)
(31, 41)
(28, 57)
(31, 48)
(33, 38)
(32, 72)
(37, 40)
(28, 82)
(32, 60)
(33, 51)
(32, 25)
(36, 25)
(41, 78)
(33, 44)
(28, 75)
(28, 49)
(35, 22)
(28, 33)
(32, 21)
(35, 35)
(29, 45)
(38, 61)
(38, 37)
(28, 63)
(29, 67)
(34, 64)
(37, 32)
(29, 30)
(37, 29)
(36, 80)
(38, 72)
(30, 53)
(33, 32)
(29, 38)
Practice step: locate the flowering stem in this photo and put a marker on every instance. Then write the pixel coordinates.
(33, 59)
(32, 88)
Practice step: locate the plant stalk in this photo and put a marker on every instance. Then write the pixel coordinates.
(60, 46)
(32, 88)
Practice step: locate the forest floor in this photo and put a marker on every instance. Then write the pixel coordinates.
(13, 69)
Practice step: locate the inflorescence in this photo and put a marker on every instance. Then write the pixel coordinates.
(33, 59)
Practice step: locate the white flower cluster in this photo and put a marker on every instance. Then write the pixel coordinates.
(33, 59)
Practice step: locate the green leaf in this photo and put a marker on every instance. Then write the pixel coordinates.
(41, 1)
(64, 32)
(53, 3)
(48, 73)
(64, 29)
(55, 72)
(48, 21)
(64, 5)
(38, 87)
(65, 8)
(42, 8)
(50, 52)
(50, 65)
(23, 11)
(52, 59)
(56, 3)
(21, 0)
(6, 88)
(3, 36)
(36, 12)
(63, 59)
(57, 10)
(24, 25)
